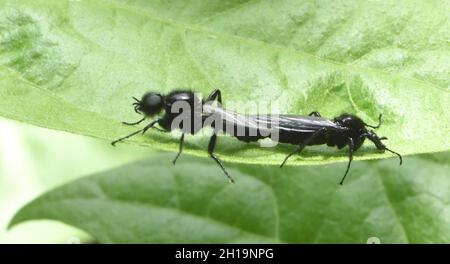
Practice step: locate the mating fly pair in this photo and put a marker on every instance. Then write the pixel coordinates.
(344, 130)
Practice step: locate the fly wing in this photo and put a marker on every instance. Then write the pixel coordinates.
(288, 123)
(228, 118)
(294, 123)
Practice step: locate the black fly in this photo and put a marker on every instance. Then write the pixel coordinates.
(344, 130)
(152, 104)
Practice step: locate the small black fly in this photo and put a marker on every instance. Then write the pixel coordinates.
(344, 130)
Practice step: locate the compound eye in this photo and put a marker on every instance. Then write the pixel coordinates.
(151, 103)
(347, 121)
(153, 100)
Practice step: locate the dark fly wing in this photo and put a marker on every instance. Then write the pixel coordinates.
(288, 123)
(294, 123)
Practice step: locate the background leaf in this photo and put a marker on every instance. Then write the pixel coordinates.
(73, 65)
(34, 160)
(192, 203)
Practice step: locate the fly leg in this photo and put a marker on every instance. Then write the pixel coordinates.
(351, 146)
(136, 132)
(303, 145)
(315, 113)
(134, 123)
(211, 146)
(377, 141)
(213, 120)
(216, 94)
(180, 150)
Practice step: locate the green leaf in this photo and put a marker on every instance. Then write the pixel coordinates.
(154, 202)
(405, 37)
(73, 66)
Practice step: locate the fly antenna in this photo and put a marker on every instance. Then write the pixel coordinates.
(377, 126)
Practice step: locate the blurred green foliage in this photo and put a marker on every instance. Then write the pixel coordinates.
(34, 160)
